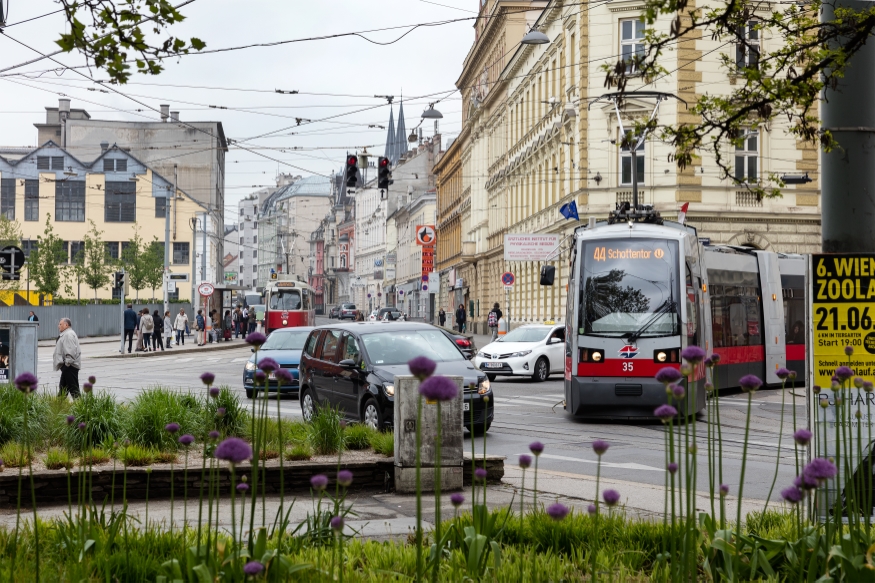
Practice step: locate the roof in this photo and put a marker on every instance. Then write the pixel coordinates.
(373, 327)
(309, 186)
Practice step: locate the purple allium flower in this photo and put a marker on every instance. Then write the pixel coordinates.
(802, 437)
(858, 382)
(836, 385)
(525, 461)
(591, 509)
(792, 375)
(668, 375)
(708, 362)
(792, 494)
(867, 386)
(849, 350)
(672, 468)
(816, 389)
(693, 354)
(750, 383)
(253, 567)
(71, 419)
(186, 439)
(600, 446)
(557, 511)
(805, 482)
(86, 387)
(214, 435)
(233, 450)
(256, 339)
(844, 373)
(665, 412)
(715, 358)
(536, 447)
(207, 378)
(92, 379)
(438, 388)
(782, 373)
(677, 391)
(820, 469)
(259, 377)
(422, 367)
(337, 523)
(457, 499)
(611, 497)
(344, 478)
(214, 392)
(685, 369)
(242, 487)
(81, 426)
(283, 377)
(708, 386)
(171, 427)
(319, 482)
(26, 382)
(480, 474)
(724, 489)
(268, 365)
(220, 412)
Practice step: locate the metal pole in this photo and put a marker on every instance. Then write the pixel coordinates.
(634, 147)
(848, 185)
(121, 294)
(204, 252)
(193, 264)
(169, 200)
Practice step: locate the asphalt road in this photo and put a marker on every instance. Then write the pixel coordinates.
(525, 412)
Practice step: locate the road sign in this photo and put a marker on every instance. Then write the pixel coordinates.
(508, 279)
(425, 235)
(206, 289)
(11, 261)
(171, 287)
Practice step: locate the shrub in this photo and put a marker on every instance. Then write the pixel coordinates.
(94, 457)
(57, 458)
(383, 443)
(12, 403)
(135, 455)
(236, 419)
(152, 410)
(357, 436)
(326, 436)
(165, 457)
(300, 452)
(102, 417)
(268, 454)
(56, 424)
(14, 454)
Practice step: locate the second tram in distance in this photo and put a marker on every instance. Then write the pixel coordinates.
(288, 304)
(641, 289)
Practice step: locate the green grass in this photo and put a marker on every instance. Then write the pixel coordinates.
(12, 406)
(94, 457)
(57, 458)
(358, 436)
(326, 436)
(383, 443)
(300, 452)
(102, 416)
(165, 457)
(14, 454)
(135, 455)
(235, 421)
(154, 409)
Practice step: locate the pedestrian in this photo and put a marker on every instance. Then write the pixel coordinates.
(139, 332)
(130, 325)
(180, 324)
(235, 321)
(210, 326)
(168, 328)
(226, 329)
(67, 358)
(492, 321)
(199, 327)
(32, 318)
(252, 321)
(158, 332)
(147, 326)
(460, 318)
(442, 317)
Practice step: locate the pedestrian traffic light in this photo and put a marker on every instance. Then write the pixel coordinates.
(119, 280)
(383, 173)
(352, 170)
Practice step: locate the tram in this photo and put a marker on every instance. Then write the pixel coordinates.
(641, 289)
(287, 304)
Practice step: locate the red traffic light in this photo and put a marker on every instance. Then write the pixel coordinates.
(384, 162)
(352, 161)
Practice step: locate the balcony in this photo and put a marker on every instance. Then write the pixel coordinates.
(469, 250)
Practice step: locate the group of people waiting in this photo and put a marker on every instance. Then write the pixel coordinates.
(154, 332)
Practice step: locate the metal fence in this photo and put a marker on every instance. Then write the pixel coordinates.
(91, 320)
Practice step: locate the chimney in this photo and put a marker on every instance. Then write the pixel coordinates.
(174, 116)
(63, 105)
(63, 114)
(165, 112)
(104, 146)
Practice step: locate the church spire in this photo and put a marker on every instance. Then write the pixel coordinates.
(390, 137)
(401, 136)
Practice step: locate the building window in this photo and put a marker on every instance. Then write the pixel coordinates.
(241, 240)
(160, 207)
(746, 154)
(631, 41)
(115, 165)
(747, 46)
(180, 254)
(254, 239)
(7, 198)
(57, 162)
(626, 163)
(255, 253)
(76, 247)
(27, 246)
(42, 163)
(120, 202)
(31, 200)
(254, 269)
(70, 201)
(65, 253)
(112, 250)
(241, 256)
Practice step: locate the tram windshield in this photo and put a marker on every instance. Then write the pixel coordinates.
(630, 289)
(285, 299)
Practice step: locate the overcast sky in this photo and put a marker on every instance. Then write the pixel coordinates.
(427, 61)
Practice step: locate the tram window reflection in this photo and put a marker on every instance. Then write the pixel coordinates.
(285, 300)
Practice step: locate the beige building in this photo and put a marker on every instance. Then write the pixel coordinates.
(552, 147)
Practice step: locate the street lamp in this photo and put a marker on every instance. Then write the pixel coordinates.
(535, 37)
(432, 113)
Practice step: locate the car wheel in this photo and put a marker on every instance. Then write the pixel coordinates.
(371, 415)
(249, 393)
(491, 376)
(479, 429)
(542, 370)
(308, 405)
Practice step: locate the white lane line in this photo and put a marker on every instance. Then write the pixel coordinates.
(183, 360)
(243, 359)
(629, 466)
(551, 399)
(520, 402)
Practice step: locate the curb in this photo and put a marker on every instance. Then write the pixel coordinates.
(218, 346)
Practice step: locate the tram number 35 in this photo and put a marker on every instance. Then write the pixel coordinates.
(855, 320)
(628, 366)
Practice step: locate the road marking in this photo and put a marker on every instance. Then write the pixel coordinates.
(242, 359)
(551, 399)
(521, 402)
(629, 466)
(183, 360)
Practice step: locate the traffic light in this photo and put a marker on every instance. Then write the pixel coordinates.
(119, 280)
(352, 169)
(383, 173)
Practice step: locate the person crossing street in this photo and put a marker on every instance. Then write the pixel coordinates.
(67, 358)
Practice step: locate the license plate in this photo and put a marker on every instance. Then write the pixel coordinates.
(272, 376)
(494, 365)
(467, 407)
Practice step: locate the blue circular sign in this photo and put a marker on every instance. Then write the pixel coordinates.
(507, 278)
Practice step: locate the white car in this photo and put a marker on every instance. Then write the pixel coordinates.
(532, 350)
(373, 315)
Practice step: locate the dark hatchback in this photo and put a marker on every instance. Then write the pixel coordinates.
(353, 367)
(284, 346)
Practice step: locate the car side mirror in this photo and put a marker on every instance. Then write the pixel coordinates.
(555, 341)
(347, 363)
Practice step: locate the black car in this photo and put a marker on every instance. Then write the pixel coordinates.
(463, 341)
(353, 367)
(390, 314)
(334, 312)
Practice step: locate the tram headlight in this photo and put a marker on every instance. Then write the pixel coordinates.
(285, 322)
(592, 355)
(667, 355)
(597, 356)
(661, 356)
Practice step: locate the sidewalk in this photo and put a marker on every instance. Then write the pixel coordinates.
(107, 347)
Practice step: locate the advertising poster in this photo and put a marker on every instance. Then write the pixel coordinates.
(4, 356)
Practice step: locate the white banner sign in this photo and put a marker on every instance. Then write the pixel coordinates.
(530, 247)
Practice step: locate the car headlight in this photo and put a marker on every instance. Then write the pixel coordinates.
(484, 387)
(250, 365)
(390, 389)
(523, 353)
(481, 355)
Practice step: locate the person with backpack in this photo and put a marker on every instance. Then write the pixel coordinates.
(147, 326)
(200, 328)
(492, 320)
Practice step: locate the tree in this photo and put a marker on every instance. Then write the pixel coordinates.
(47, 262)
(98, 266)
(134, 260)
(154, 265)
(10, 234)
(113, 28)
(77, 269)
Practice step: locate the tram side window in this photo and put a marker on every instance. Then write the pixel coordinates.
(306, 303)
(735, 316)
(285, 300)
(692, 311)
(794, 316)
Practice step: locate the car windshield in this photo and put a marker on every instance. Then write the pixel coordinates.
(526, 335)
(285, 299)
(629, 287)
(283, 340)
(386, 348)
(348, 306)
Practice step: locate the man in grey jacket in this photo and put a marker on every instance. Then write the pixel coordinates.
(68, 358)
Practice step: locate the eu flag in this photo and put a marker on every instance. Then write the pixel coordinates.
(569, 211)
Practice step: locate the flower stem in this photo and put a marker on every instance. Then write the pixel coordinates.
(437, 498)
(741, 481)
(418, 489)
(778, 456)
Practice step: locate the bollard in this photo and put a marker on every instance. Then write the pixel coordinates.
(406, 398)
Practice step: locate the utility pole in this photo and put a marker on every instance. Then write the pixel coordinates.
(204, 250)
(848, 181)
(169, 200)
(193, 264)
